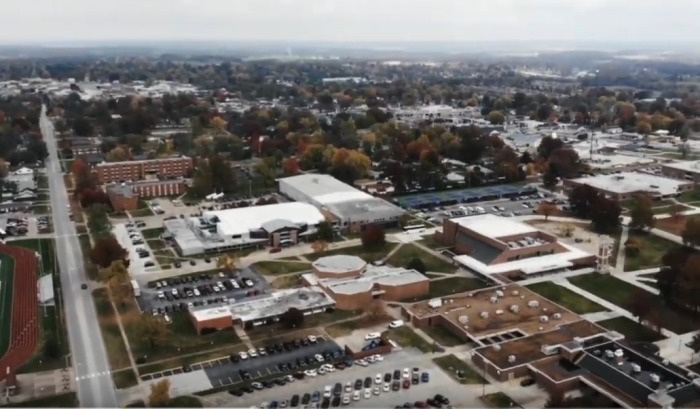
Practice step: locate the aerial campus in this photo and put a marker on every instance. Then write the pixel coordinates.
(338, 226)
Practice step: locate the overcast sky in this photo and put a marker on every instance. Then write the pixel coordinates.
(47, 21)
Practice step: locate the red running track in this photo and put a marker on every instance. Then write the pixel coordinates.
(24, 336)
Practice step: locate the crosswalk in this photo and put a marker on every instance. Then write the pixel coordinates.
(92, 375)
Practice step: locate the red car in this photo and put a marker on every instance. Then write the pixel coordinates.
(406, 384)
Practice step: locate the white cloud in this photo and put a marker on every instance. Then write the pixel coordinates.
(348, 20)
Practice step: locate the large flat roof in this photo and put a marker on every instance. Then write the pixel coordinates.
(380, 275)
(530, 265)
(687, 166)
(465, 311)
(269, 305)
(243, 220)
(491, 225)
(630, 182)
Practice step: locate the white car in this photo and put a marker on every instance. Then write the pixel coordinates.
(346, 399)
(243, 355)
(369, 359)
(328, 368)
(378, 379)
(311, 373)
(253, 353)
(249, 283)
(319, 357)
(222, 275)
(327, 391)
(406, 373)
(356, 395)
(321, 371)
(396, 324)
(372, 335)
(361, 362)
(312, 339)
(376, 390)
(378, 358)
(386, 387)
(196, 292)
(368, 393)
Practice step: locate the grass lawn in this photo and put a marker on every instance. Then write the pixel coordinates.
(499, 400)
(675, 225)
(669, 209)
(152, 233)
(689, 196)
(68, 180)
(45, 247)
(430, 242)
(408, 252)
(136, 404)
(41, 209)
(184, 338)
(90, 268)
(114, 343)
(6, 294)
(124, 379)
(451, 285)
(288, 281)
(81, 229)
(368, 255)
(406, 337)
(66, 400)
(442, 336)
(280, 267)
(156, 244)
(52, 331)
(310, 321)
(459, 370)
(652, 248)
(632, 330)
(566, 298)
(617, 292)
(42, 182)
(346, 327)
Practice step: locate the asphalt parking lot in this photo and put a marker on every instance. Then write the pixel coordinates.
(204, 283)
(227, 372)
(439, 383)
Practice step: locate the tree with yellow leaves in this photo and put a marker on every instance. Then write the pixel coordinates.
(219, 123)
(319, 246)
(160, 394)
(227, 261)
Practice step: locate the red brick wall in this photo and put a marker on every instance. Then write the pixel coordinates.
(218, 323)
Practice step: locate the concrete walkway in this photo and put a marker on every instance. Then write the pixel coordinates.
(620, 260)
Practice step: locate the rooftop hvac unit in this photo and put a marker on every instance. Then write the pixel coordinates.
(665, 362)
(515, 293)
(499, 293)
(636, 368)
(514, 308)
(499, 312)
(484, 314)
(540, 328)
(655, 378)
(435, 303)
(544, 318)
(609, 354)
(496, 347)
(493, 300)
(550, 349)
(619, 353)
(463, 319)
(533, 304)
(470, 295)
(545, 309)
(511, 359)
(557, 316)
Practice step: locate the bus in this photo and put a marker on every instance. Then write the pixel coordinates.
(415, 228)
(135, 287)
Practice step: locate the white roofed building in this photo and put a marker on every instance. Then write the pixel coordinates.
(626, 185)
(276, 225)
(490, 244)
(350, 207)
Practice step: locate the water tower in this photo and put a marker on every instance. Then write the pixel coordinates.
(605, 252)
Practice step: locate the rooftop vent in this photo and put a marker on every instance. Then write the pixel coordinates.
(636, 368)
(496, 347)
(499, 312)
(511, 358)
(484, 314)
(533, 304)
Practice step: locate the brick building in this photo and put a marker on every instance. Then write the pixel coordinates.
(489, 244)
(125, 196)
(163, 168)
(354, 284)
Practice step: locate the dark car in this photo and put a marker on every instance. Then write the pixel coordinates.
(325, 403)
(234, 358)
(442, 399)
(358, 384)
(433, 403)
(248, 389)
(396, 385)
(84, 286)
(305, 399)
(236, 392)
(336, 401)
(425, 377)
(397, 375)
(280, 381)
(294, 402)
(527, 382)
(406, 384)
(387, 377)
(338, 389)
(299, 375)
(415, 380)
(368, 382)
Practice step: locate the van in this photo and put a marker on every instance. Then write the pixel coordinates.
(167, 319)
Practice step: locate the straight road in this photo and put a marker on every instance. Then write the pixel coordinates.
(89, 355)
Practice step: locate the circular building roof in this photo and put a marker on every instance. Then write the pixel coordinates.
(339, 264)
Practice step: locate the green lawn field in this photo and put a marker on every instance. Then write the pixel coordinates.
(7, 267)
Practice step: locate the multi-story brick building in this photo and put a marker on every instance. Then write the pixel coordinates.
(125, 196)
(164, 168)
(353, 284)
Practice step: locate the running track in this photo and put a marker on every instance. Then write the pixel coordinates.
(24, 335)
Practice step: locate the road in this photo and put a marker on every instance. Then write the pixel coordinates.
(89, 356)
